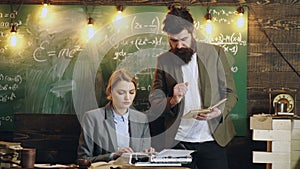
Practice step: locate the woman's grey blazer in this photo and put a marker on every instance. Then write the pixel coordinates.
(98, 135)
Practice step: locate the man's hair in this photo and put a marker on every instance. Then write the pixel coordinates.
(178, 19)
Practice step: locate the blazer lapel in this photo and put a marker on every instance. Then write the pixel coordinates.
(135, 132)
(110, 125)
(205, 88)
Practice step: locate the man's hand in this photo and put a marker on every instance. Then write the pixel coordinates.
(215, 112)
(179, 91)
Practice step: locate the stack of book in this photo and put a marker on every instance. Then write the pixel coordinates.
(9, 153)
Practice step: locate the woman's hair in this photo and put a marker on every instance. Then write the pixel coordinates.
(178, 19)
(116, 77)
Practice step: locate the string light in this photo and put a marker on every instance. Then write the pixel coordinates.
(240, 10)
(44, 12)
(208, 26)
(241, 21)
(120, 9)
(13, 36)
(91, 30)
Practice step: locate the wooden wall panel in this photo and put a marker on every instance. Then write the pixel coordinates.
(276, 23)
(271, 61)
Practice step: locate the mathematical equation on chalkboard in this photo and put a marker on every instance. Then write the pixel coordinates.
(42, 53)
(6, 119)
(153, 26)
(5, 24)
(230, 43)
(222, 16)
(138, 43)
(8, 87)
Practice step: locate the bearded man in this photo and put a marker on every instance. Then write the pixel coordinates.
(191, 76)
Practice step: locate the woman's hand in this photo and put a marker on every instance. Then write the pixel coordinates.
(121, 151)
(149, 150)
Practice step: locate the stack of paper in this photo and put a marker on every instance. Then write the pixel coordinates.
(173, 155)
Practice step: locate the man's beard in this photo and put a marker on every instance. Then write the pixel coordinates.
(184, 54)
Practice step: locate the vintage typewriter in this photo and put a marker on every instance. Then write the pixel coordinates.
(167, 157)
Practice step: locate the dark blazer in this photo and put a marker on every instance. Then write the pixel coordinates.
(215, 83)
(98, 137)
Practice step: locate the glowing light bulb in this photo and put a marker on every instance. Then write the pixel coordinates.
(13, 36)
(44, 12)
(119, 15)
(240, 21)
(91, 31)
(90, 27)
(13, 39)
(208, 27)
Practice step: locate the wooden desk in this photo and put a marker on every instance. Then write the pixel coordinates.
(100, 165)
(113, 167)
(139, 167)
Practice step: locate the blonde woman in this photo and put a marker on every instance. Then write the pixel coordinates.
(109, 131)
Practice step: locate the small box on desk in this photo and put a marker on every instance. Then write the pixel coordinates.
(261, 122)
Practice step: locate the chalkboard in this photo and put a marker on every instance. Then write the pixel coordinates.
(54, 70)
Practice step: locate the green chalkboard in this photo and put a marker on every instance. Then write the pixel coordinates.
(54, 69)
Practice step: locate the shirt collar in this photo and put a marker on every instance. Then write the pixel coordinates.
(120, 117)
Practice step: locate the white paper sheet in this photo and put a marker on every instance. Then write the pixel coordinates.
(174, 153)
